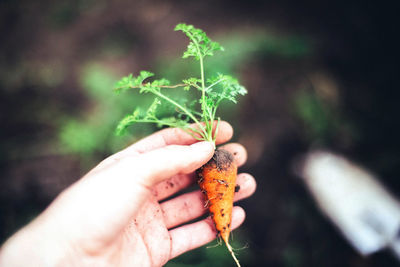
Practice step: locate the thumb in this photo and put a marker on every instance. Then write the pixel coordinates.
(160, 164)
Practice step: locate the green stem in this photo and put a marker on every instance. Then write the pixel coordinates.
(195, 131)
(184, 110)
(215, 83)
(203, 86)
(155, 121)
(206, 112)
(216, 130)
(191, 131)
(160, 86)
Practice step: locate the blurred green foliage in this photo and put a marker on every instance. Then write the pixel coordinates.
(319, 118)
(323, 123)
(93, 131)
(64, 13)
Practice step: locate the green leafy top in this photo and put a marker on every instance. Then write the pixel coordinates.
(198, 123)
(200, 45)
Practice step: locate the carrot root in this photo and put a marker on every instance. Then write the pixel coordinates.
(217, 180)
(232, 253)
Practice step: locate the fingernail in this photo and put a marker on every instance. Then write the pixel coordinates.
(203, 146)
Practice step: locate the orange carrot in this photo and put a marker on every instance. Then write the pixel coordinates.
(217, 180)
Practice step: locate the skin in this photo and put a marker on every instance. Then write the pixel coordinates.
(115, 215)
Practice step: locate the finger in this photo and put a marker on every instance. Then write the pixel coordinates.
(190, 206)
(159, 164)
(176, 136)
(238, 151)
(175, 184)
(197, 234)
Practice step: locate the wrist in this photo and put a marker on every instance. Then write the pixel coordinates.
(32, 247)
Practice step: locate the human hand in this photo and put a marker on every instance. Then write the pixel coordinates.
(115, 215)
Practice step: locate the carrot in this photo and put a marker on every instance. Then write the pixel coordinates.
(217, 180)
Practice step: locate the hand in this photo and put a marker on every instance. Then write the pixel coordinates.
(116, 216)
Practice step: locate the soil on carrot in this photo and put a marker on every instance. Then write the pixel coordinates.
(222, 158)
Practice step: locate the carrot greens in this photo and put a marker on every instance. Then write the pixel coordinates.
(196, 118)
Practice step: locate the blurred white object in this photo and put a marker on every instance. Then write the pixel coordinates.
(367, 215)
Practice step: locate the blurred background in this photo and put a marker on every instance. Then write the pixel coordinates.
(319, 74)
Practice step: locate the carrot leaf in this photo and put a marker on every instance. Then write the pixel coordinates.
(201, 112)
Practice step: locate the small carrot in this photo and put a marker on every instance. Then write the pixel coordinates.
(217, 180)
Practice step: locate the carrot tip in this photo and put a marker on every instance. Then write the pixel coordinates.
(232, 253)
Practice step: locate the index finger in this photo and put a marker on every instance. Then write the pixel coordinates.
(176, 136)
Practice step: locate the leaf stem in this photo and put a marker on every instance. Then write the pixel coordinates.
(216, 130)
(206, 112)
(159, 86)
(215, 83)
(184, 110)
(172, 86)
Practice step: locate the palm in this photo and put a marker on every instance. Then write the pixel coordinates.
(147, 236)
(148, 240)
(158, 230)
(122, 214)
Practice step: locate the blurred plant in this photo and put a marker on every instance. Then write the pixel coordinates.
(322, 120)
(91, 133)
